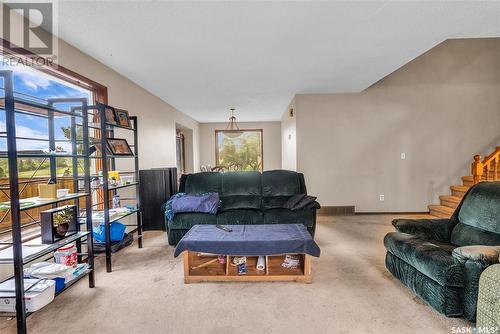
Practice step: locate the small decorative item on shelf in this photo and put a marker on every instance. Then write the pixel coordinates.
(119, 146)
(113, 177)
(48, 191)
(122, 117)
(114, 173)
(62, 192)
(112, 181)
(126, 179)
(58, 223)
(95, 183)
(66, 255)
(110, 115)
(116, 202)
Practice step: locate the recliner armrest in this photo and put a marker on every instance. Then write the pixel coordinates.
(435, 229)
(485, 255)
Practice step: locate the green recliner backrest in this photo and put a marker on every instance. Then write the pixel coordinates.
(241, 183)
(205, 182)
(280, 183)
(241, 190)
(479, 216)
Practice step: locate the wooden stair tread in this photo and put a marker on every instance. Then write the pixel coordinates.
(450, 201)
(450, 198)
(460, 188)
(441, 208)
(440, 211)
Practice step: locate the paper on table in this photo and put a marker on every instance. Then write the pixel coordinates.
(261, 263)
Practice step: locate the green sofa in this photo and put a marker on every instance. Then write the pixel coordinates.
(488, 305)
(246, 198)
(441, 260)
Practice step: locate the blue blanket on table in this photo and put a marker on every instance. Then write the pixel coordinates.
(249, 240)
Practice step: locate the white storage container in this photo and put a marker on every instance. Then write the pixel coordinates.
(41, 294)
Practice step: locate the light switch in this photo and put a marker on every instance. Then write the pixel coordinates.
(403, 156)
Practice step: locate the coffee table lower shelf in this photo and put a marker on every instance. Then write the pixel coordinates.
(202, 268)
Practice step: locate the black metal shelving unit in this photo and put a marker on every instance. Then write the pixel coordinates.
(48, 110)
(107, 163)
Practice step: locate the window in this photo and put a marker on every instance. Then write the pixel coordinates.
(238, 150)
(38, 85)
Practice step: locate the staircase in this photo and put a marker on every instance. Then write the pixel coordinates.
(484, 170)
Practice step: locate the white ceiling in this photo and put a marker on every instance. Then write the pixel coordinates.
(204, 57)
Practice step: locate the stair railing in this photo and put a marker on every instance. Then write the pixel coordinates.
(488, 166)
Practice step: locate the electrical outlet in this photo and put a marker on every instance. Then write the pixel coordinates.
(382, 197)
(403, 156)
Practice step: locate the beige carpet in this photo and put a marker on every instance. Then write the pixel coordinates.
(352, 293)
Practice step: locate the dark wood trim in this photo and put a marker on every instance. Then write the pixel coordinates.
(100, 92)
(347, 210)
(180, 135)
(241, 130)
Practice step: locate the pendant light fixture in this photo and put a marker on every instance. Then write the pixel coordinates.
(233, 131)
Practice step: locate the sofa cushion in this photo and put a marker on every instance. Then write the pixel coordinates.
(200, 183)
(188, 220)
(240, 217)
(481, 211)
(274, 202)
(431, 258)
(294, 200)
(240, 202)
(241, 183)
(465, 235)
(285, 216)
(280, 183)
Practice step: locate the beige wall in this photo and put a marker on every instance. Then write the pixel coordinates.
(157, 119)
(289, 139)
(271, 140)
(439, 109)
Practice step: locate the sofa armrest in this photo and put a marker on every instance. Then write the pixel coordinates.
(488, 303)
(313, 205)
(474, 259)
(484, 255)
(435, 229)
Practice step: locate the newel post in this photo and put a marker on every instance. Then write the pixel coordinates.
(477, 169)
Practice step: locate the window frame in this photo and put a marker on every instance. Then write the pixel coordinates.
(241, 130)
(99, 92)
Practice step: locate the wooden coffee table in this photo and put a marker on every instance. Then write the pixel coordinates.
(202, 244)
(197, 270)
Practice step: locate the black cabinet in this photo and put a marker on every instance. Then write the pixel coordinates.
(156, 187)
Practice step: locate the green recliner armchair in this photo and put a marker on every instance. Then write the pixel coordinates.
(488, 305)
(441, 260)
